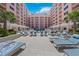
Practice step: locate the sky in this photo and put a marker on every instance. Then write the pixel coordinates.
(38, 7)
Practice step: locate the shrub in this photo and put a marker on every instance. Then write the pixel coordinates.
(11, 31)
(3, 32)
(77, 31)
(71, 31)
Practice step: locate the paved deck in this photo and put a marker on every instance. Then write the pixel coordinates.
(38, 46)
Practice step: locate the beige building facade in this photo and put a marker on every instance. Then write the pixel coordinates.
(59, 15)
(20, 12)
(39, 21)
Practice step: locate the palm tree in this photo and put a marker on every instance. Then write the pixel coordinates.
(73, 16)
(7, 16)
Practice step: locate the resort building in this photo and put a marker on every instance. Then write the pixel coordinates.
(20, 12)
(59, 15)
(56, 18)
(38, 21)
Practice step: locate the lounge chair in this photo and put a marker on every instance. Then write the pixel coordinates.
(45, 33)
(35, 34)
(9, 48)
(56, 37)
(21, 33)
(53, 33)
(31, 33)
(25, 33)
(63, 43)
(41, 34)
(75, 36)
(51, 38)
(71, 52)
(74, 40)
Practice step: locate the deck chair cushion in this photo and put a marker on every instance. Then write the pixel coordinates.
(11, 48)
(76, 36)
(3, 44)
(72, 52)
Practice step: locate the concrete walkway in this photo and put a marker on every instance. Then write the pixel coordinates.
(38, 46)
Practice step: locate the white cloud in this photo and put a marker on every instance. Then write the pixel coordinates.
(45, 9)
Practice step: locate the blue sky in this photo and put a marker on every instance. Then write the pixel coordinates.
(38, 7)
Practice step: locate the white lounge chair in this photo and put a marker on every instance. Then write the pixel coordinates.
(9, 48)
(71, 52)
(63, 43)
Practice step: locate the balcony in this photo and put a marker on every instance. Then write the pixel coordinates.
(2, 6)
(75, 6)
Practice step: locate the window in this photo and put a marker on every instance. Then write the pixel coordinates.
(65, 18)
(75, 6)
(66, 13)
(60, 16)
(12, 3)
(65, 3)
(60, 8)
(17, 12)
(60, 12)
(18, 17)
(11, 8)
(17, 4)
(17, 8)
(66, 7)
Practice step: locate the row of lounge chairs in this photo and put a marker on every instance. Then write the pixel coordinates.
(10, 47)
(43, 33)
(34, 33)
(69, 45)
(23, 33)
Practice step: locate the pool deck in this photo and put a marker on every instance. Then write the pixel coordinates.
(38, 46)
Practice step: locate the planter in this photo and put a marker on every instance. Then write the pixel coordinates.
(10, 37)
